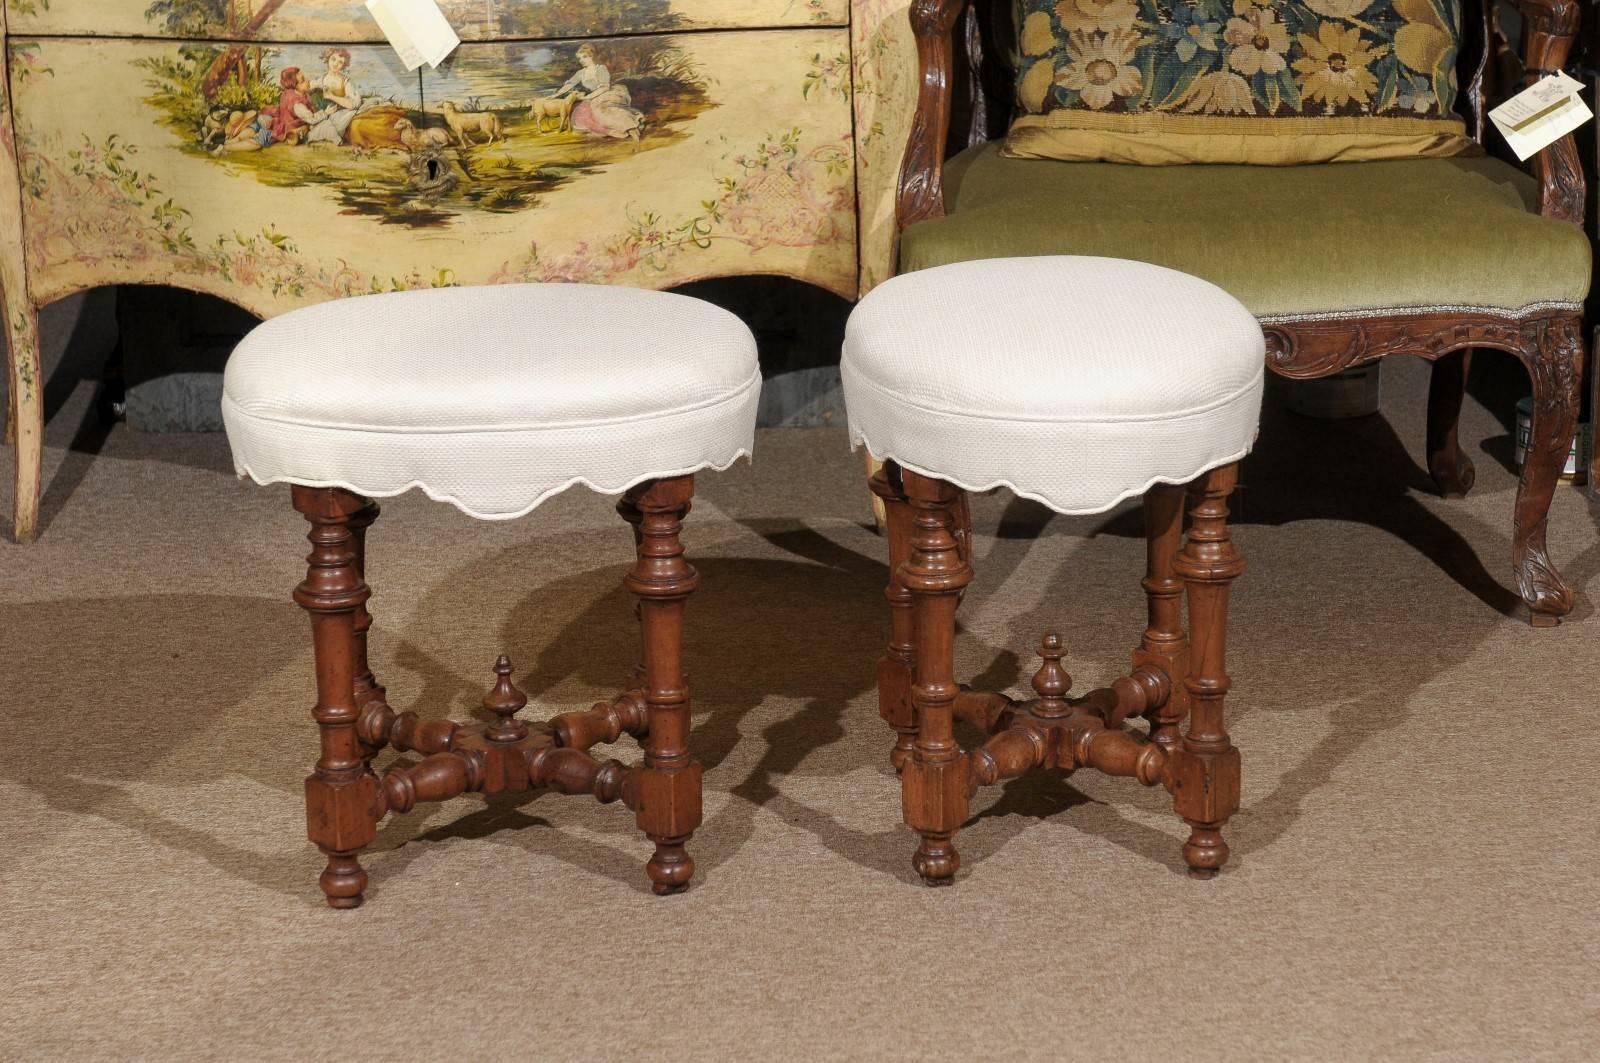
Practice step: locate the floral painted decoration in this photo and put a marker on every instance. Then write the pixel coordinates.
(1260, 58)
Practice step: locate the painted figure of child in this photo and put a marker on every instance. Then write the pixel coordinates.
(293, 118)
(286, 123)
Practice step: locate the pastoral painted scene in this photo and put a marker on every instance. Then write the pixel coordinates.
(346, 19)
(491, 129)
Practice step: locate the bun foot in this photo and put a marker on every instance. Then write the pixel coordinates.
(343, 882)
(937, 861)
(670, 869)
(1205, 852)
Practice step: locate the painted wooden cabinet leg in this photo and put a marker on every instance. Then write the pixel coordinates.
(342, 797)
(666, 787)
(1452, 471)
(26, 391)
(1554, 359)
(934, 782)
(894, 667)
(1205, 765)
(1164, 643)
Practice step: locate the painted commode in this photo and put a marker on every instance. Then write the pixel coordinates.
(279, 155)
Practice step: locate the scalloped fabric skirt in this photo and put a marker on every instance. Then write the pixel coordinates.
(1074, 381)
(492, 398)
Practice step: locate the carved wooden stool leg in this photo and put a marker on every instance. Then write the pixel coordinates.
(367, 687)
(1451, 470)
(666, 794)
(628, 511)
(1553, 355)
(894, 667)
(1164, 643)
(934, 781)
(1205, 765)
(342, 807)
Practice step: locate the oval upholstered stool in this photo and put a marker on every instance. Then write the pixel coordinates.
(494, 399)
(1078, 382)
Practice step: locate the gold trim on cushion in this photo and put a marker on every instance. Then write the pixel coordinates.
(1539, 309)
(1161, 139)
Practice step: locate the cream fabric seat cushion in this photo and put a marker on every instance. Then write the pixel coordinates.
(1074, 381)
(492, 398)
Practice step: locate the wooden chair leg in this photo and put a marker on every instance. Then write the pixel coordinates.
(1555, 364)
(894, 667)
(1205, 765)
(1164, 643)
(341, 793)
(934, 781)
(1452, 471)
(666, 792)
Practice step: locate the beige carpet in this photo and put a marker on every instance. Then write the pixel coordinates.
(1414, 870)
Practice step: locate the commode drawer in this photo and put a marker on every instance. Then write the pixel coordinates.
(341, 21)
(280, 175)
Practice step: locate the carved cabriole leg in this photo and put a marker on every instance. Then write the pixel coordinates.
(894, 667)
(1451, 470)
(1205, 765)
(934, 781)
(1553, 353)
(342, 802)
(1164, 644)
(666, 794)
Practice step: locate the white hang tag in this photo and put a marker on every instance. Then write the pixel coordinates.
(417, 29)
(1541, 114)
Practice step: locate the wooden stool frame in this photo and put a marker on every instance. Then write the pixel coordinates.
(345, 799)
(1175, 676)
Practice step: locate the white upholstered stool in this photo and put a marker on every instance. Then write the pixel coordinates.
(1078, 382)
(494, 399)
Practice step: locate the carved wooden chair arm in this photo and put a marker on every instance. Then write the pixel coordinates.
(1552, 25)
(921, 192)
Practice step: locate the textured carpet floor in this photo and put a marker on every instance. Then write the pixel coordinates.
(1414, 870)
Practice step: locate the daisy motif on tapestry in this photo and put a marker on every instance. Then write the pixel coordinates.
(1114, 68)
(1298, 57)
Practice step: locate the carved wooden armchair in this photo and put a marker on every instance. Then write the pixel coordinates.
(1430, 257)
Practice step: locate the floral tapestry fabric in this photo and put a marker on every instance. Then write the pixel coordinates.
(1161, 81)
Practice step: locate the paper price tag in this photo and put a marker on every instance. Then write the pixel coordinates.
(1541, 114)
(417, 29)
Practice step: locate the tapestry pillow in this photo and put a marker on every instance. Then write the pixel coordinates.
(1237, 81)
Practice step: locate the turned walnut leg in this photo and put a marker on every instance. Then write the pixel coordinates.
(342, 805)
(934, 781)
(1164, 643)
(1205, 765)
(628, 511)
(1553, 354)
(894, 667)
(366, 684)
(1451, 470)
(667, 784)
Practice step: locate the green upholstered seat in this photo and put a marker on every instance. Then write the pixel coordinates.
(1285, 240)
